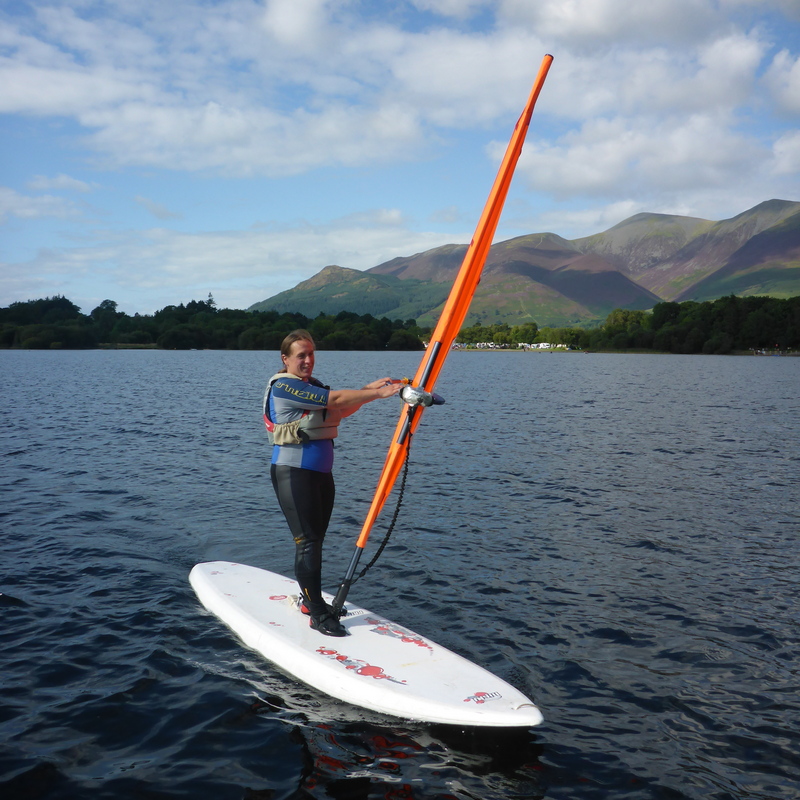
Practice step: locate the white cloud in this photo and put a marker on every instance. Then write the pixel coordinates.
(63, 182)
(242, 89)
(653, 124)
(787, 154)
(593, 219)
(251, 141)
(28, 89)
(592, 23)
(14, 204)
(726, 71)
(788, 7)
(606, 156)
(783, 80)
(357, 242)
(139, 270)
(297, 23)
(455, 79)
(716, 76)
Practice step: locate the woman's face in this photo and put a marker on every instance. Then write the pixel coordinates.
(300, 360)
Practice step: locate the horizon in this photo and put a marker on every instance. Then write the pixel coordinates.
(210, 297)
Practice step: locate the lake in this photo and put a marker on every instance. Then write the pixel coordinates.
(615, 535)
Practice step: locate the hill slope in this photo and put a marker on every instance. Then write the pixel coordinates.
(336, 289)
(711, 250)
(556, 281)
(766, 264)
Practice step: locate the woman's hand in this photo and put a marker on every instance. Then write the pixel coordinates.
(381, 382)
(386, 387)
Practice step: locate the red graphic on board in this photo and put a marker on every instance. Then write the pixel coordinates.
(360, 667)
(386, 628)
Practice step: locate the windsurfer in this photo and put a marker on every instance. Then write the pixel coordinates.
(302, 417)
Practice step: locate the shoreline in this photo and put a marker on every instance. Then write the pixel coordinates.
(552, 351)
(630, 352)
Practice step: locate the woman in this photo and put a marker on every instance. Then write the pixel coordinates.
(302, 417)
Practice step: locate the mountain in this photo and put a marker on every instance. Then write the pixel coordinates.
(555, 281)
(643, 241)
(679, 276)
(336, 289)
(768, 263)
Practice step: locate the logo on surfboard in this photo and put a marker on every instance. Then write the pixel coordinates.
(357, 665)
(482, 697)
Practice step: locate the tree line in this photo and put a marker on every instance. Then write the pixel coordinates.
(726, 325)
(56, 322)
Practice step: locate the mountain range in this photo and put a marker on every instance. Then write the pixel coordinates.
(542, 277)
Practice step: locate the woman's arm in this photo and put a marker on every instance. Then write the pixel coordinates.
(348, 401)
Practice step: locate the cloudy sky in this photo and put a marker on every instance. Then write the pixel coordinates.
(155, 152)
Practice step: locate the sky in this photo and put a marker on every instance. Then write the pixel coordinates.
(153, 153)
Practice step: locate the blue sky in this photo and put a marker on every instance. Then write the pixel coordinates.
(155, 152)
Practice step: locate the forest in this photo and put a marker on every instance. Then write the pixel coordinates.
(56, 322)
(727, 325)
(714, 327)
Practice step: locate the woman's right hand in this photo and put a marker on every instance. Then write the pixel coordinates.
(386, 387)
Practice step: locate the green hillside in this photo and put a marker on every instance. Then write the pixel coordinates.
(545, 278)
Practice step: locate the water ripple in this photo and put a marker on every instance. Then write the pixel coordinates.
(620, 543)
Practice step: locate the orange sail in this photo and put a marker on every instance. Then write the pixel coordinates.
(456, 307)
(449, 324)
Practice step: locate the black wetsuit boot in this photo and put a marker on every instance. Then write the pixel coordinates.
(308, 570)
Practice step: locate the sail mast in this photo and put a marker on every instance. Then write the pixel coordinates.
(450, 322)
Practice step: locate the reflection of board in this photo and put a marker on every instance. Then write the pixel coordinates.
(380, 665)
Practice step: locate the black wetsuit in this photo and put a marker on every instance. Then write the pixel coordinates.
(306, 499)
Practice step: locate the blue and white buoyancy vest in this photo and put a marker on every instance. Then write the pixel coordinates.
(314, 422)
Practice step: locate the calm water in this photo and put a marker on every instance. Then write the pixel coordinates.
(615, 535)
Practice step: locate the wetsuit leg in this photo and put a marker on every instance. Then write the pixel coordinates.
(306, 499)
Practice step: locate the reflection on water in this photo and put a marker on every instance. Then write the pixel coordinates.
(362, 760)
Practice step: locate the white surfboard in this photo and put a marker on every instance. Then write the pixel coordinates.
(380, 665)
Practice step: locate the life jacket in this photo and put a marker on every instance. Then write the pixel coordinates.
(322, 423)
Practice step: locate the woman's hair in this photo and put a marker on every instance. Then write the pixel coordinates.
(299, 335)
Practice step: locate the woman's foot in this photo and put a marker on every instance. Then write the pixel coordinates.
(304, 609)
(327, 623)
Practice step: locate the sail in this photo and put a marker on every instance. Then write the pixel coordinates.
(456, 307)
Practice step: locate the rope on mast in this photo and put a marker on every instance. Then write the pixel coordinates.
(394, 516)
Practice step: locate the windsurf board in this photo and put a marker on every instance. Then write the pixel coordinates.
(380, 665)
